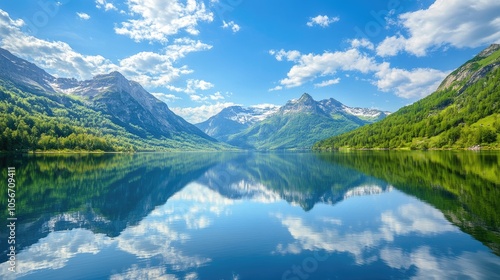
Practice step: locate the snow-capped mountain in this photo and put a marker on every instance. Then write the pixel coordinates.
(123, 102)
(129, 103)
(332, 106)
(23, 73)
(235, 119)
(298, 124)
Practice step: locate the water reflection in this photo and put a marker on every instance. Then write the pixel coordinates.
(257, 216)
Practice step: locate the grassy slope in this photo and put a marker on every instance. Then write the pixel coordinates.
(33, 121)
(296, 131)
(447, 119)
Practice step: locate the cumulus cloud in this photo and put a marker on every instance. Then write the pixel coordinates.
(288, 55)
(103, 4)
(231, 25)
(156, 20)
(192, 86)
(55, 56)
(457, 23)
(328, 83)
(153, 69)
(83, 16)
(58, 58)
(201, 113)
(323, 21)
(310, 66)
(148, 68)
(362, 43)
(276, 88)
(217, 96)
(167, 98)
(183, 46)
(336, 235)
(415, 83)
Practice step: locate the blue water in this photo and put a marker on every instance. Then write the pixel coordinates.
(256, 216)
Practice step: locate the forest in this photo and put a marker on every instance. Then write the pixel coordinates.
(447, 119)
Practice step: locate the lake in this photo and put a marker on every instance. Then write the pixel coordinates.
(343, 215)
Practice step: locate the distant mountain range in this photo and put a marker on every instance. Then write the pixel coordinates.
(108, 112)
(235, 119)
(464, 112)
(296, 125)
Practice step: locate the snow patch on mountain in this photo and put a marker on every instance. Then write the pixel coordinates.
(251, 115)
(363, 112)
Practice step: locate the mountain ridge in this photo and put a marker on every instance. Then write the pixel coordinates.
(299, 124)
(463, 113)
(109, 111)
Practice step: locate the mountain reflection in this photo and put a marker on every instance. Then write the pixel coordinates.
(204, 215)
(299, 178)
(465, 186)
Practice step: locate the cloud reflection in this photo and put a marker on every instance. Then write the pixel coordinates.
(159, 235)
(339, 235)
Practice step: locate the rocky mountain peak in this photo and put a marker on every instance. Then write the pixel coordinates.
(305, 98)
(305, 104)
(489, 50)
(24, 73)
(473, 69)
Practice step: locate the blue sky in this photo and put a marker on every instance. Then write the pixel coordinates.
(202, 56)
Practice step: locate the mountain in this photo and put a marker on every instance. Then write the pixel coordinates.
(235, 119)
(302, 122)
(464, 112)
(23, 73)
(129, 105)
(108, 112)
(299, 178)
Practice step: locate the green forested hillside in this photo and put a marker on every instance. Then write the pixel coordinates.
(294, 131)
(39, 121)
(464, 186)
(464, 113)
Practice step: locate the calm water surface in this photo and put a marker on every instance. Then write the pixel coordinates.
(359, 215)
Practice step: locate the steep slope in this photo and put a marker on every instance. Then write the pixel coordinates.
(235, 119)
(110, 113)
(463, 113)
(298, 125)
(129, 105)
(24, 74)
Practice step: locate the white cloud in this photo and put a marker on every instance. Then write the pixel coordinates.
(391, 46)
(323, 21)
(135, 272)
(365, 43)
(201, 113)
(152, 69)
(289, 55)
(167, 98)
(198, 97)
(217, 96)
(310, 66)
(337, 235)
(156, 20)
(54, 56)
(276, 88)
(148, 68)
(233, 26)
(103, 4)
(328, 83)
(416, 83)
(192, 86)
(457, 23)
(183, 46)
(83, 16)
